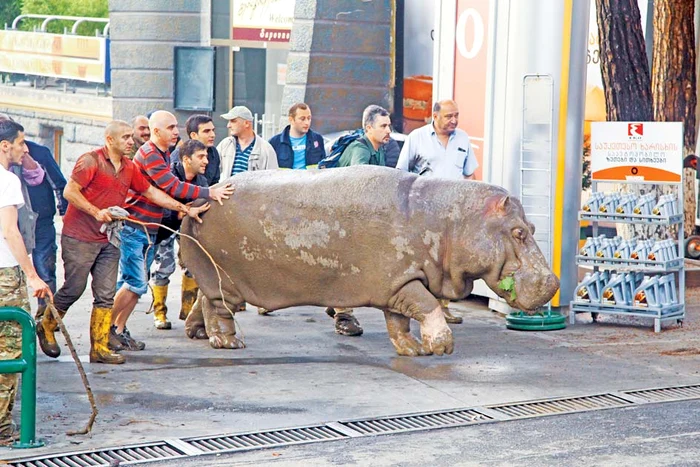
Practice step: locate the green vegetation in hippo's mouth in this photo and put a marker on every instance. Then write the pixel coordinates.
(507, 284)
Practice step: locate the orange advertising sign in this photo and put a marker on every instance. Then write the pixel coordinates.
(471, 62)
(52, 44)
(54, 55)
(637, 151)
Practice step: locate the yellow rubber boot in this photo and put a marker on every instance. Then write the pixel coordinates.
(160, 310)
(46, 327)
(189, 295)
(100, 322)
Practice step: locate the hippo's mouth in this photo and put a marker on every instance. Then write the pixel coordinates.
(508, 287)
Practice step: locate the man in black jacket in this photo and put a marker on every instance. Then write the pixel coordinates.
(201, 128)
(298, 146)
(44, 199)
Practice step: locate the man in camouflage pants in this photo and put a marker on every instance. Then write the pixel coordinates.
(14, 264)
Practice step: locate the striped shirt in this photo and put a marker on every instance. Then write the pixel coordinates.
(155, 165)
(240, 163)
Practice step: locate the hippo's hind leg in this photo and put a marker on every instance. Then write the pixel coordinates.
(399, 328)
(220, 326)
(413, 300)
(194, 323)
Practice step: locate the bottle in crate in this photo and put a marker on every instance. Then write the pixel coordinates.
(592, 245)
(588, 291)
(593, 202)
(645, 204)
(610, 202)
(647, 293)
(625, 248)
(666, 206)
(642, 249)
(627, 203)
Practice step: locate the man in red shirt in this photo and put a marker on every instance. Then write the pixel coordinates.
(100, 179)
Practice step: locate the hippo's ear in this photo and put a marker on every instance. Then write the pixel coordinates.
(498, 204)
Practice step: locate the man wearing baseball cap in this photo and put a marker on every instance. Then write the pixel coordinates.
(244, 150)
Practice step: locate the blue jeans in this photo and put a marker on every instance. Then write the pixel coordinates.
(136, 259)
(44, 253)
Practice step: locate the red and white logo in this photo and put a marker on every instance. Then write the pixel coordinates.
(635, 130)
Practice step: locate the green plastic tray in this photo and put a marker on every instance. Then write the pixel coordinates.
(543, 321)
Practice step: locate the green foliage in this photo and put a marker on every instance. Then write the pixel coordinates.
(586, 168)
(9, 10)
(89, 8)
(507, 284)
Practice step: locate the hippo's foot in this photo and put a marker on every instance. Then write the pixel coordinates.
(435, 334)
(407, 346)
(347, 325)
(225, 341)
(196, 332)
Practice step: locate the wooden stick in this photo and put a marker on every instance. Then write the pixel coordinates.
(81, 370)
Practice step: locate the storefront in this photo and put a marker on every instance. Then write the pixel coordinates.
(252, 41)
(517, 71)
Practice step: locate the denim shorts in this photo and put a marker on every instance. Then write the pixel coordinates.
(134, 264)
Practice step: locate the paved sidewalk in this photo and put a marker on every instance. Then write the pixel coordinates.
(297, 371)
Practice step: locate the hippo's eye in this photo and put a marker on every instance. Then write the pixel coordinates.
(519, 233)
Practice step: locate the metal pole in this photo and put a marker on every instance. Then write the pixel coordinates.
(26, 365)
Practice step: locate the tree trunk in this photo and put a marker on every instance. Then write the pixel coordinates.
(623, 61)
(626, 81)
(674, 82)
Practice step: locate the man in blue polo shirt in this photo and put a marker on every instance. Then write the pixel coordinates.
(440, 149)
(298, 146)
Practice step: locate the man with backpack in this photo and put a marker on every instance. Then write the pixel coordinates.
(369, 149)
(359, 148)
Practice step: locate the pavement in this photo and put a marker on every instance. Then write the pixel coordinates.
(652, 435)
(296, 371)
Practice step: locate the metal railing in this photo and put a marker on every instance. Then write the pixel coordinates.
(26, 365)
(78, 21)
(266, 127)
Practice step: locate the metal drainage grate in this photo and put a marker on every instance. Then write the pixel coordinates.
(428, 421)
(264, 439)
(187, 447)
(126, 455)
(558, 406)
(666, 394)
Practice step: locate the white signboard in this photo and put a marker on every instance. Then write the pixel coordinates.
(637, 151)
(262, 20)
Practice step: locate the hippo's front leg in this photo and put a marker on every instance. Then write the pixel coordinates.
(194, 323)
(220, 326)
(413, 300)
(399, 328)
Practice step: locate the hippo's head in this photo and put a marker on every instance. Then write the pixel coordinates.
(518, 271)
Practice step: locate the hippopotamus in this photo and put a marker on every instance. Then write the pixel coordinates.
(363, 236)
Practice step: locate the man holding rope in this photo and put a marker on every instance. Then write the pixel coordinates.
(137, 247)
(100, 180)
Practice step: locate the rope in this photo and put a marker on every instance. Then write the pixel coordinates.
(217, 268)
(83, 376)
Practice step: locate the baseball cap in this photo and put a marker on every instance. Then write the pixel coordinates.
(239, 111)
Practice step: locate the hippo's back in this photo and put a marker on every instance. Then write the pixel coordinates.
(343, 237)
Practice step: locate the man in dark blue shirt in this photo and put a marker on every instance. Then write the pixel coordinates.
(43, 198)
(298, 146)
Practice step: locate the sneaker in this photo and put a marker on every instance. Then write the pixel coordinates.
(129, 342)
(114, 344)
